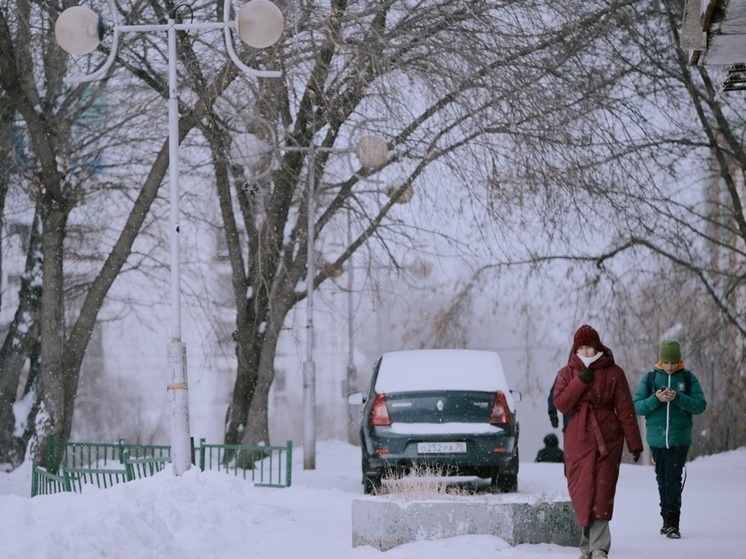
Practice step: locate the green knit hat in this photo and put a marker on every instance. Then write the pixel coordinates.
(670, 351)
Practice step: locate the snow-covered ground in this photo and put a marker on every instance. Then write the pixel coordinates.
(212, 515)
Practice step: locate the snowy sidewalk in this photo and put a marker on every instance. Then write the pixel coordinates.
(210, 515)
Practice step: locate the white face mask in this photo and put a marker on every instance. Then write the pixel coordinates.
(588, 360)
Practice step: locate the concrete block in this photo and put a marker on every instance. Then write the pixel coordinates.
(383, 523)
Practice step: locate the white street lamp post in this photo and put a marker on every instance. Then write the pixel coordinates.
(351, 371)
(372, 152)
(309, 366)
(78, 31)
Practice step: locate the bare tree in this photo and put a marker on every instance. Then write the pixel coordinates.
(650, 224)
(61, 177)
(545, 128)
(700, 232)
(474, 94)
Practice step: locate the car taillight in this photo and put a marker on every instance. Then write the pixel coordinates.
(500, 412)
(379, 414)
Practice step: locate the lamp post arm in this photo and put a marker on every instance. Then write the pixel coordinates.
(98, 74)
(118, 29)
(227, 26)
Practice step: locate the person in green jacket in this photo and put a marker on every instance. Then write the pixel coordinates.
(668, 397)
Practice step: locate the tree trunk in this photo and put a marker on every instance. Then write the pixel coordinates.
(55, 385)
(257, 428)
(248, 352)
(20, 344)
(248, 420)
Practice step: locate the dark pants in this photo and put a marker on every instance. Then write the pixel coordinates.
(669, 465)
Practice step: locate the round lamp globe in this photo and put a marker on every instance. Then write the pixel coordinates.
(260, 23)
(251, 151)
(372, 151)
(76, 30)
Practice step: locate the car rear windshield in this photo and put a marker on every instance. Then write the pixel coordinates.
(441, 369)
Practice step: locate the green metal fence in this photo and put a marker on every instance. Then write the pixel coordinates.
(83, 455)
(46, 483)
(143, 467)
(74, 478)
(77, 478)
(105, 464)
(101, 455)
(266, 466)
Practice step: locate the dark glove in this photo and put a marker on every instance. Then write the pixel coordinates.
(636, 455)
(554, 420)
(587, 375)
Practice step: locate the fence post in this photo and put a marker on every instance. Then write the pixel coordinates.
(202, 454)
(34, 479)
(120, 442)
(289, 464)
(50, 451)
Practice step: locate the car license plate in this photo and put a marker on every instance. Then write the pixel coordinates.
(440, 448)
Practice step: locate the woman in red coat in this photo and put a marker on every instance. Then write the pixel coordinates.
(594, 389)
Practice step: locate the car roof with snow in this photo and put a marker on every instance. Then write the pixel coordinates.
(442, 369)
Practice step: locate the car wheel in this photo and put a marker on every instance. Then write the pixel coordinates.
(371, 484)
(503, 483)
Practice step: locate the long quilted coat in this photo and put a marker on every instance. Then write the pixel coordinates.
(603, 417)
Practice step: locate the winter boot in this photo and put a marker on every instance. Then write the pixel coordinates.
(599, 554)
(664, 528)
(672, 520)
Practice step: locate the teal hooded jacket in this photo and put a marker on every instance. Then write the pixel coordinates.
(669, 424)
